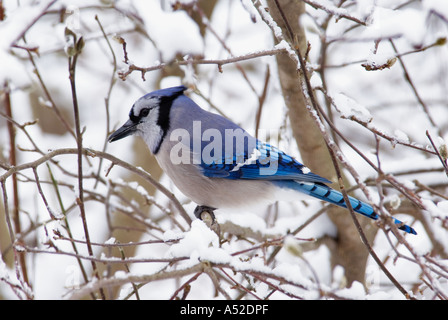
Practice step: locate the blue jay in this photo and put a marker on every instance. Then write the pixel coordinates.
(216, 163)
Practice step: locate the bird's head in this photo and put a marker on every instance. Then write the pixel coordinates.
(150, 117)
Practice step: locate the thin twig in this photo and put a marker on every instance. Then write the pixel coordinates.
(13, 162)
(119, 281)
(44, 199)
(67, 225)
(219, 62)
(185, 287)
(443, 161)
(80, 200)
(261, 101)
(33, 21)
(109, 92)
(337, 12)
(413, 87)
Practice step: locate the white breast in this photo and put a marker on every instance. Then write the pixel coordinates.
(213, 192)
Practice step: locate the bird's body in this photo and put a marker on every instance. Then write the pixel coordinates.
(227, 194)
(216, 163)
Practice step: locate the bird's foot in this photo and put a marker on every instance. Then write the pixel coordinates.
(207, 215)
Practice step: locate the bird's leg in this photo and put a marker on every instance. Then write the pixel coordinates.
(207, 215)
(200, 209)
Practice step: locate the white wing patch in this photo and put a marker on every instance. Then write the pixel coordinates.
(252, 159)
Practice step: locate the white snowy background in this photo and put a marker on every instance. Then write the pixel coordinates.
(155, 34)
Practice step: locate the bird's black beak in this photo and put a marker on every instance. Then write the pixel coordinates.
(127, 129)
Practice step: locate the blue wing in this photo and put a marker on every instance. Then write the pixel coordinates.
(264, 162)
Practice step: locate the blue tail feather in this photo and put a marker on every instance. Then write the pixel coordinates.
(325, 193)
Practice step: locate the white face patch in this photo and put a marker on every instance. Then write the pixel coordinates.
(145, 102)
(150, 131)
(148, 128)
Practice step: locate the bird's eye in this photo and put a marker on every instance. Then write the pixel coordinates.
(144, 112)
